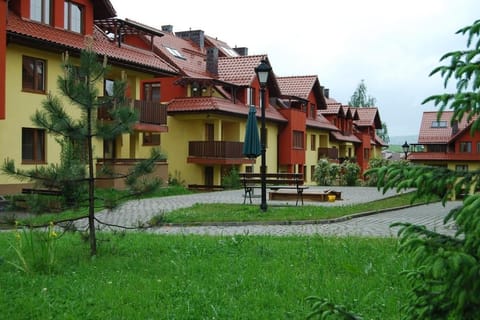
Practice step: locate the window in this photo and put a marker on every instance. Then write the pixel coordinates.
(439, 124)
(312, 173)
(313, 111)
(298, 141)
(151, 139)
(108, 87)
(230, 52)
(174, 52)
(251, 96)
(461, 168)
(33, 74)
(313, 142)
(40, 11)
(478, 147)
(73, 17)
(33, 145)
(466, 146)
(151, 91)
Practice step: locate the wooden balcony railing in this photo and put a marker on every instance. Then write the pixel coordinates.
(216, 149)
(329, 153)
(148, 112)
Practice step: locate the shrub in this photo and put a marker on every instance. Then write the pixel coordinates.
(232, 179)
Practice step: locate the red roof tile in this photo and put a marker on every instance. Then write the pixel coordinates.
(333, 108)
(202, 104)
(239, 70)
(321, 123)
(101, 44)
(297, 86)
(192, 64)
(347, 138)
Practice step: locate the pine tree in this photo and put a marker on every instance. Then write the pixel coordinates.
(75, 174)
(445, 279)
(360, 98)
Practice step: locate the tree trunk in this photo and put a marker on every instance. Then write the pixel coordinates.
(91, 188)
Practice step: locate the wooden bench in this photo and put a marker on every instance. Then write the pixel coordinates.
(204, 187)
(274, 181)
(46, 192)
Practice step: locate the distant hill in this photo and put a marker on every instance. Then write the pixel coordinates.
(399, 140)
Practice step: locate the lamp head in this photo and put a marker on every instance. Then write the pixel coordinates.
(262, 72)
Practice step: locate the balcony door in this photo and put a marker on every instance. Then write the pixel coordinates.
(209, 132)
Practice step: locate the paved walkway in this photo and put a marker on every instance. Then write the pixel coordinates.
(137, 212)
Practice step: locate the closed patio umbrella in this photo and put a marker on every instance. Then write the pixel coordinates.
(251, 145)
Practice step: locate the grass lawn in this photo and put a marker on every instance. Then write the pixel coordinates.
(146, 276)
(214, 212)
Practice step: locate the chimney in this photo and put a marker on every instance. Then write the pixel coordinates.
(197, 36)
(167, 28)
(212, 60)
(326, 93)
(243, 51)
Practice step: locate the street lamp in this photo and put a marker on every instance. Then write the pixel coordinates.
(262, 72)
(405, 148)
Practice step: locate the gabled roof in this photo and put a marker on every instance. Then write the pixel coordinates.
(438, 134)
(321, 123)
(301, 87)
(333, 108)
(215, 104)
(368, 117)
(60, 40)
(240, 71)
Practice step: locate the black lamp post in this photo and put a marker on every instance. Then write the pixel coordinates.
(262, 72)
(405, 148)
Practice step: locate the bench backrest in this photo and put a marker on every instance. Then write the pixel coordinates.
(272, 178)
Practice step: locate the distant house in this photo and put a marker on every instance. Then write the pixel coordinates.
(365, 129)
(342, 140)
(447, 144)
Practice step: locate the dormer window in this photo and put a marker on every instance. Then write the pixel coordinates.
(41, 11)
(439, 124)
(73, 17)
(175, 52)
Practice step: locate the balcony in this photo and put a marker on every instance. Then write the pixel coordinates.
(216, 152)
(150, 114)
(328, 153)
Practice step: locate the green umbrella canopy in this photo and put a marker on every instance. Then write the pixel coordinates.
(251, 145)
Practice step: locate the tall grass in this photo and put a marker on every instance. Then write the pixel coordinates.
(145, 276)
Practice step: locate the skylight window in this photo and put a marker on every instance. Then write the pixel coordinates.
(439, 124)
(174, 52)
(230, 52)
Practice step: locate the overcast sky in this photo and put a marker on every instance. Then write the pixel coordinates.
(391, 45)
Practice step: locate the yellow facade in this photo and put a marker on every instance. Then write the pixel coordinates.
(20, 106)
(311, 156)
(185, 128)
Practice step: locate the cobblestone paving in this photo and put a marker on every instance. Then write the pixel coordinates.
(138, 212)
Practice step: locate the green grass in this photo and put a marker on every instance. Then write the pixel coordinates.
(145, 276)
(206, 212)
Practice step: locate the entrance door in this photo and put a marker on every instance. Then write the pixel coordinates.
(209, 176)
